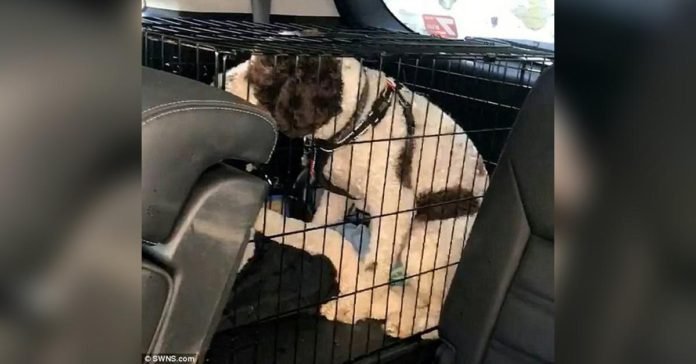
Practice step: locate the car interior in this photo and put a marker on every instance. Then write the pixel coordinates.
(211, 161)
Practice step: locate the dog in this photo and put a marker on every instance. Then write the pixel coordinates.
(418, 176)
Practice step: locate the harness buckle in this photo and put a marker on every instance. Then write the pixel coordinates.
(309, 156)
(308, 140)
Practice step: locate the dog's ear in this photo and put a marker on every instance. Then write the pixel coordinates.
(302, 92)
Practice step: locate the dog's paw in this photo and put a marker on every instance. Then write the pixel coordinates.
(339, 310)
(336, 312)
(394, 328)
(404, 325)
(328, 310)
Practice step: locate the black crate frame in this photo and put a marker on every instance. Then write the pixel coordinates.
(498, 76)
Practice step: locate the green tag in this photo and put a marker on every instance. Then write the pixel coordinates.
(397, 275)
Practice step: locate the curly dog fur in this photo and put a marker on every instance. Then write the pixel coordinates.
(302, 95)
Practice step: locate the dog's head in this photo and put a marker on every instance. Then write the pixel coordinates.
(303, 93)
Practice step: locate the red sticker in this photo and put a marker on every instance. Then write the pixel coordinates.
(440, 25)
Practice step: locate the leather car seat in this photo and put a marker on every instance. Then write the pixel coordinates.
(197, 212)
(500, 308)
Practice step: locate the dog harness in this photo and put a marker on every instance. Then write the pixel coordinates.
(317, 151)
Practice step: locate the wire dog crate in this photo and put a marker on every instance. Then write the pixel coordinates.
(291, 302)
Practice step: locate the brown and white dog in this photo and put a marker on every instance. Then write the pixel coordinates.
(420, 189)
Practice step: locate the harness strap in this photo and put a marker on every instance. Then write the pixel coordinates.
(376, 114)
(322, 181)
(317, 151)
(347, 130)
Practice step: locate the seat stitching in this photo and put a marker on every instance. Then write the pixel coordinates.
(531, 298)
(269, 122)
(171, 103)
(190, 101)
(525, 288)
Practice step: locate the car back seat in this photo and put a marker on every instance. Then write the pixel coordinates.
(500, 307)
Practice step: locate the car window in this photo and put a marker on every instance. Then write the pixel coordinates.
(526, 21)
